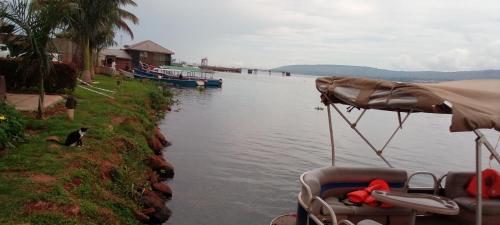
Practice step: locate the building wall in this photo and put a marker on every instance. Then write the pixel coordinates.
(66, 48)
(156, 59)
(123, 64)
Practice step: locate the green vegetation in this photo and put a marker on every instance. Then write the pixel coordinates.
(91, 24)
(41, 182)
(11, 126)
(37, 22)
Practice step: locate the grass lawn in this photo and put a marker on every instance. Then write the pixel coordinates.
(46, 183)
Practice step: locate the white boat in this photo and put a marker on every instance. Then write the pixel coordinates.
(328, 194)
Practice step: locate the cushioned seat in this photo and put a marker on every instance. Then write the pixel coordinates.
(455, 188)
(368, 222)
(365, 210)
(490, 206)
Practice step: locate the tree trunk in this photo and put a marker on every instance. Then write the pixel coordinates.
(92, 63)
(87, 61)
(41, 98)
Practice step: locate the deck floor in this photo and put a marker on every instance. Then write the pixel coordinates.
(421, 220)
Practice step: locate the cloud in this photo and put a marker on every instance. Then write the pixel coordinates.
(393, 34)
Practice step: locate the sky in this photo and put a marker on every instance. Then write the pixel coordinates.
(443, 35)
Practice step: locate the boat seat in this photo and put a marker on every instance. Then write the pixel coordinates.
(363, 210)
(368, 222)
(490, 206)
(329, 183)
(456, 189)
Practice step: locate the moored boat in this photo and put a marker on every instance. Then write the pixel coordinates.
(349, 195)
(191, 73)
(180, 82)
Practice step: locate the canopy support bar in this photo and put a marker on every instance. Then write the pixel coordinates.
(479, 194)
(330, 124)
(480, 141)
(353, 126)
(400, 127)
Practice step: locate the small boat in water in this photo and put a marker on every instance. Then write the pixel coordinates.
(348, 195)
(191, 73)
(180, 82)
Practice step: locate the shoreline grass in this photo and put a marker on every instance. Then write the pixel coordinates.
(93, 184)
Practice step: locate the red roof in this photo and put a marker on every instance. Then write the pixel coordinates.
(149, 46)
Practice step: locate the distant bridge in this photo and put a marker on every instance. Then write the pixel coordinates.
(263, 71)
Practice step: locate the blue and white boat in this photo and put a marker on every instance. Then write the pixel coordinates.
(192, 73)
(180, 82)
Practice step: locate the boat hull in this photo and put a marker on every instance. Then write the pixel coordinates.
(176, 82)
(213, 83)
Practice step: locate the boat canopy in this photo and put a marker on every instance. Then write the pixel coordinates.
(474, 104)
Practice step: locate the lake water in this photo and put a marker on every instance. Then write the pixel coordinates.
(238, 151)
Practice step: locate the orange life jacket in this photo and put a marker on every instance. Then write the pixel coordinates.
(363, 196)
(490, 184)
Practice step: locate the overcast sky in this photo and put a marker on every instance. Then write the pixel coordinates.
(444, 35)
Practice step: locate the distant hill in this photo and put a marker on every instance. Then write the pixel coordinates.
(342, 70)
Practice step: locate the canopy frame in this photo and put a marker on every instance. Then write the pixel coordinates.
(481, 141)
(353, 126)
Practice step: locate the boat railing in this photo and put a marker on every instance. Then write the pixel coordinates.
(436, 184)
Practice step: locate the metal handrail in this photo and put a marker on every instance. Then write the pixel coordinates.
(329, 208)
(436, 184)
(307, 188)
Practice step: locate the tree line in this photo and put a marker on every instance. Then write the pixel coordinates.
(91, 24)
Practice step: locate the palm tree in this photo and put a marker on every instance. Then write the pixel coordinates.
(37, 23)
(95, 19)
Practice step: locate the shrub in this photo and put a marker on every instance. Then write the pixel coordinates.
(160, 98)
(62, 77)
(11, 126)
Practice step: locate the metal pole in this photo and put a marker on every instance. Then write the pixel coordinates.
(479, 197)
(331, 134)
(486, 143)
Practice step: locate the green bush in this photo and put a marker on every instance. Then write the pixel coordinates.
(11, 126)
(160, 98)
(61, 78)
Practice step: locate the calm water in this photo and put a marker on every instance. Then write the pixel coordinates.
(238, 151)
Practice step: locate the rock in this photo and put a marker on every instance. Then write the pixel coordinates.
(163, 140)
(151, 200)
(141, 216)
(161, 215)
(53, 139)
(148, 211)
(153, 177)
(159, 164)
(164, 189)
(155, 144)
